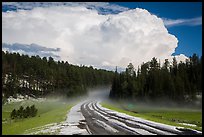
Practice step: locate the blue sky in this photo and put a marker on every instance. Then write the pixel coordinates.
(190, 37)
(103, 34)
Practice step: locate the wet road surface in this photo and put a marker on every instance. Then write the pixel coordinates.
(89, 117)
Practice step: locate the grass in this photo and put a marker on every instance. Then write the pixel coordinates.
(49, 111)
(170, 116)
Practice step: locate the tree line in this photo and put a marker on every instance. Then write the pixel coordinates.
(179, 82)
(24, 113)
(22, 74)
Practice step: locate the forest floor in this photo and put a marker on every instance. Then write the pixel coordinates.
(182, 117)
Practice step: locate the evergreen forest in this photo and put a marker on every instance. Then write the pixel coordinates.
(177, 81)
(38, 77)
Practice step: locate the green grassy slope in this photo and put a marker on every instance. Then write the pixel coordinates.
(48, 112)
(169, 116)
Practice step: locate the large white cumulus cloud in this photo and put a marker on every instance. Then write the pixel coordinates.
(86, 37)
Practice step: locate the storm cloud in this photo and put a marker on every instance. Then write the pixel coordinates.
(86, 37)
(32, 49)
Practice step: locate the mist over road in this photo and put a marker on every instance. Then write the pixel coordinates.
(89, 117)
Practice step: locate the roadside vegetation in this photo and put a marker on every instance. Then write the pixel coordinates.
(39, 77)
(24, 112)
(180, 82)
(171, 116)
(49, 111)
(177, 86)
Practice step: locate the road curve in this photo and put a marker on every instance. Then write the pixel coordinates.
(94, 119)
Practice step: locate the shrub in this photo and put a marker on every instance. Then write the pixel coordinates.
(24, 113)
(13, 114)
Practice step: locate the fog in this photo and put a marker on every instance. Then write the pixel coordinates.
(101, 93)
(98, 93)
(155, 105)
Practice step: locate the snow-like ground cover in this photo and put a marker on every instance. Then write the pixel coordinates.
(20, 98)
(187, 124)
(162, 116)
(70, 126)
(52, 128)
(49, 111)
(74, 119)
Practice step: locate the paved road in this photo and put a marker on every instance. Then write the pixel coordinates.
(89, 117)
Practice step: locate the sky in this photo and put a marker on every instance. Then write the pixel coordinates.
(103, 35)
(188, 43)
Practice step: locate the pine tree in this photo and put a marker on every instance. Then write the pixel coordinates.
(13, 114)
(20, 112)
(179, 82)
(27, 112)
(33, 111)
(32, 75)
